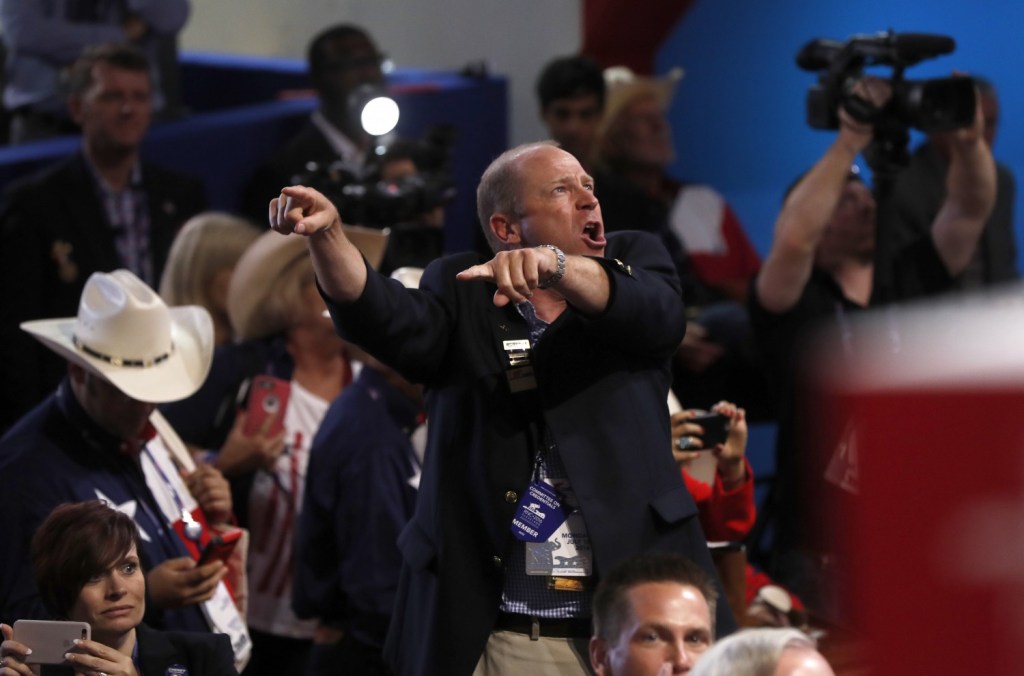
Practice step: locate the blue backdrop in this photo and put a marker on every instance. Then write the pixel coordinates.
(738, 115)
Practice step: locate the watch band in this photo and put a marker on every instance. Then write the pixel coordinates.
(559, 272)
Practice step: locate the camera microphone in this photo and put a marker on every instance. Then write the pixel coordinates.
(903, 49)
(818, 54)
(913, 47)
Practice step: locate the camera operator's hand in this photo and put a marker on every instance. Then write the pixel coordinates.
(970, 194)
(969, 136)
(872, 92)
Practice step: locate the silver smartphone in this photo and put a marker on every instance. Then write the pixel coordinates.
(49, 639)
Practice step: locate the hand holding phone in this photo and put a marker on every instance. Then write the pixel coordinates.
(268, 400)
(220, 546)
(716, 429)
(49, 639)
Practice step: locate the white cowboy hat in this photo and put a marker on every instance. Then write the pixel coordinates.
(126, 334)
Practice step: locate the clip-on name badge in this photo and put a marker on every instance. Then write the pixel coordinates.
(538, 514)
(546, 525)
(520, 371)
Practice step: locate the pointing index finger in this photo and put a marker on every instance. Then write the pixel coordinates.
(482, 271)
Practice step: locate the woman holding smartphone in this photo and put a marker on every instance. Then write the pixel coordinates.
(86, 564)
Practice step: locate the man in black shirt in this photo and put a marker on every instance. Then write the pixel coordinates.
(821, 268)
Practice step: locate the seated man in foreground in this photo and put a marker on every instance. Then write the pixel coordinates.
(653, 615)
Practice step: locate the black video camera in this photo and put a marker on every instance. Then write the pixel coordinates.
(363, 197)
(927, 105)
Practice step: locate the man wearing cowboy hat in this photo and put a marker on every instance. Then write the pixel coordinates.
(715, 258)
(93, 439)
(546, 371)
(634, 140)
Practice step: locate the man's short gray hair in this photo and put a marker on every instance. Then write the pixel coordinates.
(498, 191)
(751, 652)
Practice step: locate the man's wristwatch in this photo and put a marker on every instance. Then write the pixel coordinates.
(559, 272)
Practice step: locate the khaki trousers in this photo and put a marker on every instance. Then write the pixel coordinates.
(509, 653)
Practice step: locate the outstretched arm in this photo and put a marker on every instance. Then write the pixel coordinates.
(970, 196)
(340, 268)
(809, 207)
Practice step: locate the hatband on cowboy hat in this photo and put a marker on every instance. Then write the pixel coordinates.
(126, 334)
(260, 268)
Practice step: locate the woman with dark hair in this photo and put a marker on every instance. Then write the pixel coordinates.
(86, 564)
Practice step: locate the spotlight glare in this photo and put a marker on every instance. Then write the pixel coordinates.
(379, 116)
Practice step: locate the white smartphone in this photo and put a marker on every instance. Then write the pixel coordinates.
(49, 639)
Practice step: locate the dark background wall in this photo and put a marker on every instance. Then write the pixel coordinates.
(738, 115)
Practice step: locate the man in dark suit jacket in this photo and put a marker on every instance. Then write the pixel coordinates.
(97, 210)
(546, 370)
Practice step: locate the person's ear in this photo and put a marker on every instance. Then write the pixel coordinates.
(599, 656)
(506, 230)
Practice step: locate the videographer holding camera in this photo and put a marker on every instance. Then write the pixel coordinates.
(822, 269)
(341, 59)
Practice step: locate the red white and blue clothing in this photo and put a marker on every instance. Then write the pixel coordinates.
(57, 454)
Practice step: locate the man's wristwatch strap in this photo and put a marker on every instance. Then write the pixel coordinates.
(559, 272)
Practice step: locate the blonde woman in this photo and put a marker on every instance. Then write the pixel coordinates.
(200, 264)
